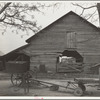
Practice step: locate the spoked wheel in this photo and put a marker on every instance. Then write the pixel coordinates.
(29, 74)
(26, 80)
(78, 92)
(16, 79)
(82, 86)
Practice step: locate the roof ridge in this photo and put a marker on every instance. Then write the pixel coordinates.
(28, 40)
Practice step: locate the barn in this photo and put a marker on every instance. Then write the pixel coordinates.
(14, 55)
(70, 35)
(1, 61)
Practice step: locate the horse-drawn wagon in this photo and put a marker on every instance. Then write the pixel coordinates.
(20, 73)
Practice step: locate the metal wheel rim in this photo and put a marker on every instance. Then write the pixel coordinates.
(15, 80)
(78, 92)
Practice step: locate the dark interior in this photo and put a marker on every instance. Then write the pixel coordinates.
(73, 53)
(17, 57)
(14, 57)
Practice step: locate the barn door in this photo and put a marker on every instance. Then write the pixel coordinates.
(71, 39)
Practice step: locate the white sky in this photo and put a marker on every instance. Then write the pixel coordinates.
(10, 41)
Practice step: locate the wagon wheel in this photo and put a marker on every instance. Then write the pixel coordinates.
(78, 92)
(82, 86)
(29, 74)
(16, 79)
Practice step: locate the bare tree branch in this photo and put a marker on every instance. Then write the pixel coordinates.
(8, 15)
(91, 15)
(1, 19)
(5, 6)
(19, 15)
(84, 7)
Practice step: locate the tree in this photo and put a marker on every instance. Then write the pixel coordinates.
(93, 14)
(98, 8)
(20, 15)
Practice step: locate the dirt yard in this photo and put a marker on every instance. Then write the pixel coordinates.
(7, 89)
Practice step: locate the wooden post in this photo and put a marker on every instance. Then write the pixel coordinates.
(26, 83)
(99, 80)
(99, 77)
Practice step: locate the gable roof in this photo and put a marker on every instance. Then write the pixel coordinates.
(1, 53)
(11, 52)
(69, 13)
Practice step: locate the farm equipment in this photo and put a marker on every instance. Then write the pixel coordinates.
(22, 76)
(90, 81)
(20, 73)
(78, 88)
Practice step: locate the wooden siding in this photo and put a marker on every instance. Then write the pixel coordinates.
(48, 60)
(53, 40)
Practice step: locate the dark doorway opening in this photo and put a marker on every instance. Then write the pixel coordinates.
(73, 53)
(69, 61)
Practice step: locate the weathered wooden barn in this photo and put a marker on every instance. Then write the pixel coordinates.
(14, 55)
(1, 61)
(69, 33)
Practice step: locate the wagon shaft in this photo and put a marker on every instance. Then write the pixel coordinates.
(87, 80)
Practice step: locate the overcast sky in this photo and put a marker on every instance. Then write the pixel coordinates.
(10, 41)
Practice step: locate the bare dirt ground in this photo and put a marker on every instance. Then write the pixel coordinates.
(7, 89)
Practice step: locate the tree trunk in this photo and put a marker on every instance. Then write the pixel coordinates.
(98, 8)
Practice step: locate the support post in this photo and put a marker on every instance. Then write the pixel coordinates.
(99, 80)
(99, 77)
